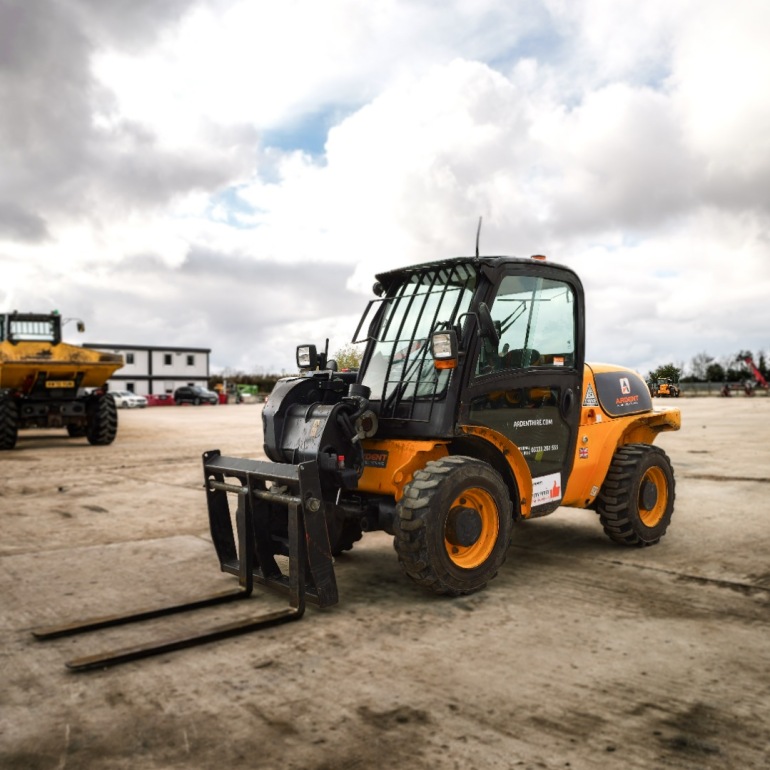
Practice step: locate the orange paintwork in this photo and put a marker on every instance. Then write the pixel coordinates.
(600, 435)
(401, 459)
(651, 516)
(512, 456)
(474, 555)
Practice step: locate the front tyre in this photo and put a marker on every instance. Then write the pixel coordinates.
(9, 423)
(102, 417)
(453, 525)
(636, 502)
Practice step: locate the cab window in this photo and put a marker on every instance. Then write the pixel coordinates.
(535, 320)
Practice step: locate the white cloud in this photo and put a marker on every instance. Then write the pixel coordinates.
(720, 64)
(612, 41)
(268, 63)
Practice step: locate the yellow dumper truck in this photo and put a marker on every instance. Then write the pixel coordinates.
(47, 383)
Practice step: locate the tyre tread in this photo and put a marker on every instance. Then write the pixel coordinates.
(615, 504)
(411, 536)
(9, 423)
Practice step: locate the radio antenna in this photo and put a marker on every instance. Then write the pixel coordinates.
(478, 235)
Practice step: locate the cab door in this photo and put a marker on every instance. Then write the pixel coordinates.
(526, 383)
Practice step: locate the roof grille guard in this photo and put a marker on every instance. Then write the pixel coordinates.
(399, 369)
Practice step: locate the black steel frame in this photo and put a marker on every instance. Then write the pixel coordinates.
(416, 291)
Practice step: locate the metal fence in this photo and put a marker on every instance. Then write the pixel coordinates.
(694, 389)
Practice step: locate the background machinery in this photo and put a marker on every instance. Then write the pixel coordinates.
(47, 383)
(758, 376)
(665, 388)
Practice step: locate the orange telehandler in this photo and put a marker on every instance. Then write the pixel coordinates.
(473, 411)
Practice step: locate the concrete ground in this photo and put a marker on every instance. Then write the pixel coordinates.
(581, 654)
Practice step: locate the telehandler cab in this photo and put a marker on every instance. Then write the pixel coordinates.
(473, 409)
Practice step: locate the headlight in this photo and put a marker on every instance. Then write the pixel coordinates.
(443, 347)
(307, 358)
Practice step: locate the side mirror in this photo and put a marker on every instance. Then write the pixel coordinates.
(307, 357)
(443, 348)
(487, 325)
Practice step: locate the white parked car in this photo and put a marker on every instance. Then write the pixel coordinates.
(125, 399)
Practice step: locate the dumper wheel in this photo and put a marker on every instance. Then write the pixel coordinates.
(453, 525)
(102, 420)
(637, 499)
(9, 423)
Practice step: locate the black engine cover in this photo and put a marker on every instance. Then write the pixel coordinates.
(309, 418)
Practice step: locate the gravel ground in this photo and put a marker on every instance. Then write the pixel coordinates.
(581, 654)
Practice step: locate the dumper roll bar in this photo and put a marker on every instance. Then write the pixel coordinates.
(310, 575)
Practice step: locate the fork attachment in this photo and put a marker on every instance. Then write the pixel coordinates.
(263, 531)
(267, 533)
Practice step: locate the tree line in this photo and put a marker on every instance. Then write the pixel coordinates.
(706, 368)
(264, 382)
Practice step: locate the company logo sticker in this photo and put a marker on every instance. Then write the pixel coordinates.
(546, 489)
(627, 399)
(376, 459)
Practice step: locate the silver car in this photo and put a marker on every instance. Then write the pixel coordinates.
(125, 399)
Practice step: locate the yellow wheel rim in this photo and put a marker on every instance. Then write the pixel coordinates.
(651, 516)
(471, 556)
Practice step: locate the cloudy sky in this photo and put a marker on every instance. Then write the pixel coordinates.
(231, 174)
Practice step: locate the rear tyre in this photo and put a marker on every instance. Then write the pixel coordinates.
(453, 525)
(9, 423)
(102, 420)
(636, 502)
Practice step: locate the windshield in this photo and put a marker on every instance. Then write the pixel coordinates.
(400, 325)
